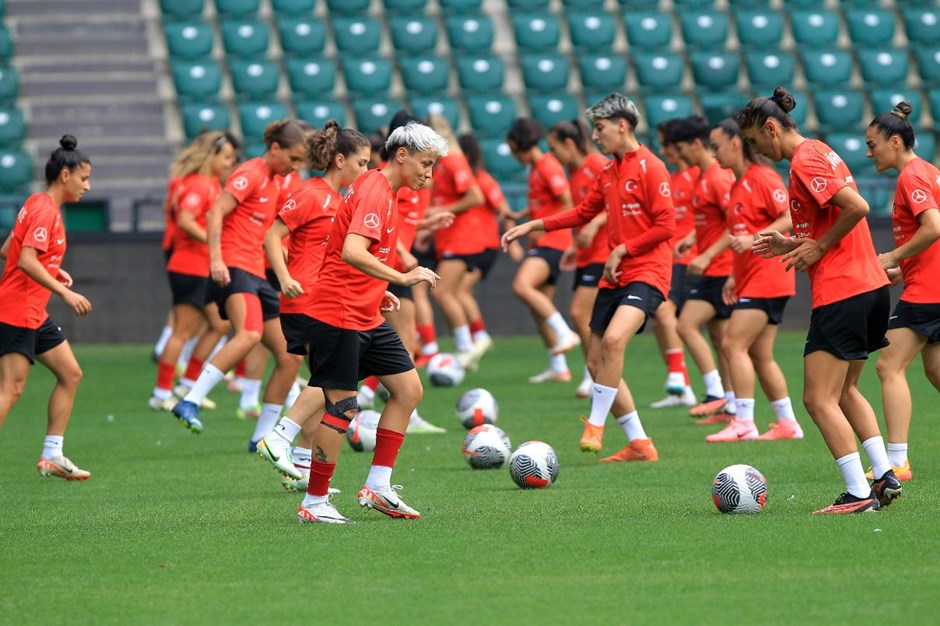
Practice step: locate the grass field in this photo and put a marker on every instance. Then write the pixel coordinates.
(179, 529)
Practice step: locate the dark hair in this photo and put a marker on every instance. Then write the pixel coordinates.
(471, 150)
(525, 132)
(777, 106)
(573, 130)
(731, 130)
(401, 118)
(324, 145)
(664, 128)
(895, 122)
(690, 128)
(66, 156)
(285, 133)
(377, 141)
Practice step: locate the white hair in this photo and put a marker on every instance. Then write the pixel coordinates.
(416, 137)
(613, 106)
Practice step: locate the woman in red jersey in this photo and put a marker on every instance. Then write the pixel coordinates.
(568, 141)
(849, 292)
(634, 190)
(535, 279)
(236, 225)
(758, 289)
(33, 270)
(915, 324)
(199, 170)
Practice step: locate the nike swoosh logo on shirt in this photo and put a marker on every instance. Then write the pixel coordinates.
(58, 242)
(388, 230)
(262, 199)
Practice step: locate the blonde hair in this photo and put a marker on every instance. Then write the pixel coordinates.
(194, 157)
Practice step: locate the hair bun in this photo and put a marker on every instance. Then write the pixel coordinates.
(331, 124)
(902, 109)
(68, 142)
(784, 99)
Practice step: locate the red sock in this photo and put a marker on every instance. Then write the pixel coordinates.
(477, 325)
(427, 333)
(320, 475)
(240, 369)
(387, 445)
(194, 368)
(166, 372)
(675, 361)
(371, 382)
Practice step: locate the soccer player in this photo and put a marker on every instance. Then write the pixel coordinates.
(33, 270)
(849, 292)
(634, 190)
(568, 141)
(915, 324)
(758, 289)
(348, 336)
(535, 279)
(236, 225)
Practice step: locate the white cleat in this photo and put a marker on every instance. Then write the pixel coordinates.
(551, 375)
(584, 389)
(469, 359)
(482, 346)
(675, 384)
(686, 399)
(277, 452)
(566, 344)
(323, 513)
(162, 404)
(386, 501)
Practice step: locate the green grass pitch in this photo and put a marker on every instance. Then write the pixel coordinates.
(181, 529)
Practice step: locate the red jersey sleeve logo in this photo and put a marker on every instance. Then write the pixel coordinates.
(664, 190)
(40, 234)
(240, 183)
(371, 220)
(780, 196)
(818, 184)
(919, 196)
(291, 204)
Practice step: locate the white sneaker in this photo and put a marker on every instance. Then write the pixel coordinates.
(482, 346)
(566, 344)
(686, 399)
(469, 359)
(323, 513)
(584, 389)
(551, 375)
(162, 404)
(61, 467)
(386, 501)
(675, 384)
(180, 391)
(417, 425)
(275, 450)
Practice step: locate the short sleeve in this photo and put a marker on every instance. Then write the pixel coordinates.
(777, 200)
(553, 174)
(818, 175)
(243, 183)
(38, 228)
(194, 198)
(917, 191)
(462, 174)
(371, 209)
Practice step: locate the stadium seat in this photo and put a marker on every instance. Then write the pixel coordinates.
(301, 36)
(425, 75)
(551, 109)
(299, 8)
(871, 27)
(255, 116)
(373, 114)
(181, 9)
(311, 78)
(851, 147)
(602, 72)
(491, 116)
(528, 5)
(12, 128)
(447, 107)
(883, 100)
(255, 80)
(348, 7)
(404, 7)
(357, 36)
(368, 76)
(759, 29)
(814, 28)
(767, 69)
(246, 39)
(718, 106)
(460, 7)
(583, 5)
(319, 112)
(16, 171)
(236, 9)
(658, 70)
(884, 66)
(734, 5)
(591, 32)
(838, 109)
(826, 67)
(413, 35)
(199, 116)
(194, 80)
(498, 159)
(480, 73)
(928, 64)
(704, 29)
(189, 40)
(921, 25)
(933, 98)
(536, 31)
(925, 143)
(254, 149)
(545, 72)
(648, 30)
(470, 33)
(715, 70)
(6, 43)
(661, 107)
(681, 5)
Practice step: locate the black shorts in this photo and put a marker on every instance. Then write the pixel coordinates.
(483, 261)
(245, 282)
(552, 257)
(850, 329)
(588, 276)
(426, 258)
(167, 253)
(923, 319)
(340, 358)
(640, 295)
(708, 289)
(188, 289)
(773, 307)
(401, 292)
(30, 341)
(272, 279)
(678, 286)
(296, 329)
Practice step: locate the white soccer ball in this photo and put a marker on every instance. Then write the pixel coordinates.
(534, 465)
(739, 489)
(444, 370)
(477, 407)
(361, 431)
(486, 447)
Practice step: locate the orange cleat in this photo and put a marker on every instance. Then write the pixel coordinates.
(61, 467)
(782, 429)
(847, 503)
(636, 450)
(591, 440)
(717, 418)
(903, 473)
(709, 406)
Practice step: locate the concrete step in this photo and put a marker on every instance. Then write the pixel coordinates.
(100, 127)
(112, 111)
(87, 47)
(44, 65)
(140, 168)
(85, 8)
(89, 85)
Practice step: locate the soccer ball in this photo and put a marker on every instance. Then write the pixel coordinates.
(533, 465)
(486, 447)
(361, 431)
(739, 489)
(477, 407)
(444, 370)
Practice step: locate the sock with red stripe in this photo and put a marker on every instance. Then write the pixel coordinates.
(387, 445)
(192, 371)
(319, 485)
(166, 372)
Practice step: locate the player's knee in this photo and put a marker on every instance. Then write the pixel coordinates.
(338, 415)
(250, 337)
(932, 371)
(521, 288)
(72, 376)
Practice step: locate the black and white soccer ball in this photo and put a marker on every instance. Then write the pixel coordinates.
(739, 489)
(362, 429)
(534, 465)
(486, 447)
(477, 407)
(444, 370)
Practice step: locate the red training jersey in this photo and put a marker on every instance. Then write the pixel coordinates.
(918, 190)
(169, 213)
(412, 205)
(453, 178)
(582, 179)
(256, 191)
(709, 203)
(287, 185)
(547, 182)
(197, 194)
(683, 185)
(485, 227)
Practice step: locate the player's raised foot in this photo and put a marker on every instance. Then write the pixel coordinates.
(417, 425)
(323, 513)
(180, 391)
(422, 359)
(482, 345)
(847, 503)
(300, 485)
(469, 360)
(675, 384)
(709, 406)
(277, 452)
(592, 437)
(636, 450)
(250, 413)
(566, 344)
(887, 488)
(736, 430)
(782, 429)
(687, 398)
(717, 418)
(903, 473)
(161, 404)
(61, 467)
(188, 413)
(386, 501)
(234, 383)
(551, 375)
(584, 388)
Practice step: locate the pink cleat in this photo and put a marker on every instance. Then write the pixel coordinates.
(782, 429)
(736, 430)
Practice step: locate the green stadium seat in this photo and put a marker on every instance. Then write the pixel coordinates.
(704, 29)
(425, 75)
(373, 114)
(245, 38)
(12, 128)
(715, 70)
(583, 5)
(814, 28)
(801, 4)
(460, 7)
(6, 43)
(357, 36)
(658, 70)
(255, 117)
(202, 116)
(298, 8)
(661, 107)
(348, 7)
(311, 78)
(871, 27)
(551, 109)
(928, 64)
(648, 30)
(734, 5)
(591, 32)
(718, 106)
(498, 160)
(603, 72)
(884, 66)
(933, 99)
(883, 100)
(189, 40)
(301, 36)
(851, 147)
(446, 107)
(255, 80)
(826, 67)
(413, 35)
(194, 80)
(470, 33)
(838, 109)
(368, 76)
(482, 73)
(925, 144)
(491, 116)
(759, 29)
(405, 7)
(254, 149)
(16, 171)
(681, 5)
(922, 25)
(181, 9)
(319, 112)
(545, 72)
(766, 69)
(237, 9)
(528, 5)
(536, 31)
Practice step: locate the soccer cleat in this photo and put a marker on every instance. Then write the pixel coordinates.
(584, 389)
(385, 500)
(482, 346)
(161, 404)
(300, 485)
(717, 418)
(709, 406)
(736, 430)
(272, 451)
(323, 513)
(417, 425)
(566, 344)
(686, 399)
(675, 383)
(903, 473)
(782, 429)
(365, 398)
(188, 413)
(551, 375)
(847, 503)
(887, 488)
(251, 413)
(592, 438)
(180, 392)
(469, 360)
(422, 359)
(234, 383)
(61, 467)
(636, 450)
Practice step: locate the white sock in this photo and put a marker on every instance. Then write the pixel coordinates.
(310, 501)
(632, 426)
(713, 384)
(601, 401)
(587, 374)
(266, 420)
(251, 392)
(218, 346)
(430, 349)
(380, 477)
(187, 382)
(52, 447)
(745, 409)
(462, 338)
(783, 409)
(365, 395)
(897, 454)
(732, 408)
(162, 394)
(558, 325)
(854, 475)
(286, 429)
(558, 362)
(187, 352)
(209, 378)
(302, 458)
(165, 335)
(875, 449)
(292, 395)
(480, 335)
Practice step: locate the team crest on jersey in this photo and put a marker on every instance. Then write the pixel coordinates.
(738, 208)
(240, 183)
(818, 184)
(780, 196)
(664, 190)
(630, 186)
(191, 200)
(371, 220)
(919, 196)
(291, 204)
(40, 234)
(795, 206)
